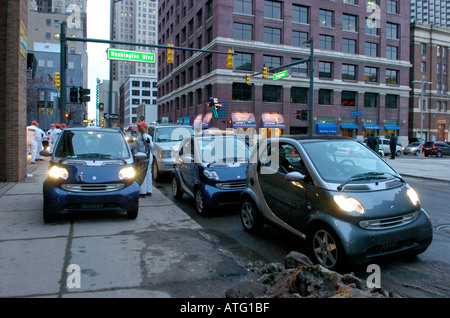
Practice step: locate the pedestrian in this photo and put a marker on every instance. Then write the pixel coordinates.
(40, 136)
(54, 137)
(49, 135)
(144, 143)
(372, 142)
(393, 145)
(32, 136)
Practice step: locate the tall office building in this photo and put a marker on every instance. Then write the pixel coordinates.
(435, 12)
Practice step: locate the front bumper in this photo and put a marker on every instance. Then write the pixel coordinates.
(165, 165)
(60, 201)
(216, 197)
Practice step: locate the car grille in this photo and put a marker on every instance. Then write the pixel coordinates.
(233, 185)
(93, 188)
(388, 223)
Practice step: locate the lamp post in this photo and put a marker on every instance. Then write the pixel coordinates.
(423, 83)
(310, 42)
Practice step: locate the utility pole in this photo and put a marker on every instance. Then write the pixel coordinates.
(423, 83)
(63, 77)
(311, 86)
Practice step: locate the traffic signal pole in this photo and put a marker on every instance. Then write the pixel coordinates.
(63, 64)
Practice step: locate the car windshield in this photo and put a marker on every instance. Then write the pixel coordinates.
(168, 134)
(216, 149)
(337, 161)
(414, 144)
(92, 144)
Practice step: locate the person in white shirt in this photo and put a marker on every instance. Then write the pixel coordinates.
(145, 144)
(49, 134)
(32, 136)
(54, 136)
(40, 135)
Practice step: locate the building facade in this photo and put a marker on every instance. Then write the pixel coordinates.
(138, 90)
(430, 50)
(435, 12)
(361, 66)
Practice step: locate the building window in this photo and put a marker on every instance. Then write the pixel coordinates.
(300, 14)
(325, 69)
(371, 74)
(371, 49)
(243, 31)
(349, 46)
(392, 101)
(371, 100)
(392, 31)
(299, 38)
(208, 64)
(241, 91)
(299, 95)
(348, 98)
(243, 62)
(299, 69)
(243, 6)
(135, 83)
(392, 6)
(272, 9)
(423, 49)
(349, 72)
(392, 77)
(392, 52)
(326, 42)
(350, 23)
(272, 93)
(272, 35)
(371, 29)
(326, 18)
(423, 67)
(325, 97)
(272, 61)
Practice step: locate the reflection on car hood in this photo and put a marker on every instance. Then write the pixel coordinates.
(169, 145)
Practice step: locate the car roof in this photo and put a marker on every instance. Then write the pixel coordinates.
(304, 138)
(169, 125)
(92, 128)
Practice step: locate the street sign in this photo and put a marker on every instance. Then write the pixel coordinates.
(356, 113)
(111, 116)
(123, 55)
(280, 75)
(88, 121)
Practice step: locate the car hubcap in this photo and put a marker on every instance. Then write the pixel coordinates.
(199, 201)
(247, 215)
(325, 249)
(155, 170)
(174, 187)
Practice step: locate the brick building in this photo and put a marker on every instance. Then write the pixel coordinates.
(362, 64)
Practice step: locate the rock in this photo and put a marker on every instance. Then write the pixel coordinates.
(295, 259)
(247, 289)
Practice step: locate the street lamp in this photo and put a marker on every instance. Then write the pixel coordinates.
(423, 83)
(310, 43)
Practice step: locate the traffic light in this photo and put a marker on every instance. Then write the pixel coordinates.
(304, 114)
(247, 81)
(299, 115)
(264, 72)
(230, 59)
(170, 54)
(74, 95)
(57, 80)
(84, 94)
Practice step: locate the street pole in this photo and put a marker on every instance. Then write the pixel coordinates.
(423, 83)
(62, 72)
(311, 87)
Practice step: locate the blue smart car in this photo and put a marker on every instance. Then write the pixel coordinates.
(91, 169)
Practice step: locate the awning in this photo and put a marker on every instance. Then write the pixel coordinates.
(207, 120)
(184, 120)
(273, 121)
(326, 129)
(243, 120)
(347, 126)
(371, 127)
(392, 127)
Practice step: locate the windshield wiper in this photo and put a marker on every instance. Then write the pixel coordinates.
(361, 177)
(99, 156)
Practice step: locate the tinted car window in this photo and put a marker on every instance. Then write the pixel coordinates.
(336, 161)
(223, 149)
(85, 144)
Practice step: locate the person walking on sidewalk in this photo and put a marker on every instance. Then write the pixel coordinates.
(49, 134)
(40, 136)
(32, 136)
(145, 144)
(393, 145)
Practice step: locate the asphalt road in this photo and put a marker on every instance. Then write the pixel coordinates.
(426, 275)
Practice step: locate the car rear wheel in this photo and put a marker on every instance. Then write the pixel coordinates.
(132, 214)
(200, 204)
(155, 173)
(176, 189)
(417, 153)
(398, 153)
(326, 248)
(439, 154)
(250, 216)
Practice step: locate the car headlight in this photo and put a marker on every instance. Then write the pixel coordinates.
(348, 204)
(58, 172)
(413, 196)
(127, 173)
(165, 154)
(211, 174)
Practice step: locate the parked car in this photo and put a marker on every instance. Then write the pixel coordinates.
(167, 140)
(384, 142)
(436, 148)
(91, 169)
(414, 148)
(211, 169)
(349, 209)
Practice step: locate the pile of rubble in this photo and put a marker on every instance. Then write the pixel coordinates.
(299, 277)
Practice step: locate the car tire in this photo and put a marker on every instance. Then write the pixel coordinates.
(326, 248)
(132, 214)
(47, 216)
(439, 154)
(417, 153)
(398, 153)
(176, 188)
(251, 218)
(200, 205)
(155, 172)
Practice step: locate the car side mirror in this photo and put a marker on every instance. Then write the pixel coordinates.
(295, 176)
(140, 156)
(45, 153)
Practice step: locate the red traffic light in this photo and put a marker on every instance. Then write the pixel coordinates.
(67, 115)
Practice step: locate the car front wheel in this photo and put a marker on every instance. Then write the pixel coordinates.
(250, 217)
(439, 154)
(176, 189)
(155, 173)
(326, 248)
(132, 214)
(200, 203)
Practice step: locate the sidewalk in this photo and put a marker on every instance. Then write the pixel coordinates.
(427, 168)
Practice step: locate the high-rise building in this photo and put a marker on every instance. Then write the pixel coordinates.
(361, 66)
(435, 12)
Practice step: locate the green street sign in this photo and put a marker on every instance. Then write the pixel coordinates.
(123, 55)
(280, 75)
